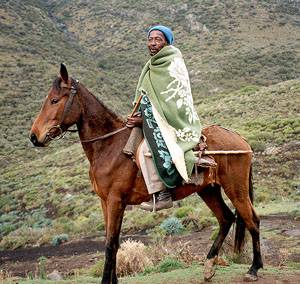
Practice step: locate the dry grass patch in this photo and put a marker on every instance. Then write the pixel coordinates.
(182, 251)
(132, 258)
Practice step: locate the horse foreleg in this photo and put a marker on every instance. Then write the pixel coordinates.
(104, 211)
(213, 199)
(115, 211)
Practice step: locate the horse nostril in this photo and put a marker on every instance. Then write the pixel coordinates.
(33, 139)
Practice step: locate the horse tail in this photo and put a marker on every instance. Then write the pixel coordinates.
(251, 193)
(240, 230)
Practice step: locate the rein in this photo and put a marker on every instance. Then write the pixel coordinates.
(104, 136)
(62, 132)
(116, 131)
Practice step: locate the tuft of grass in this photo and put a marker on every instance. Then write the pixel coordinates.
(157, 234)
(59, 239)
(25, 236)
(183, 211)
(42, 267)
(132, 258)
(97, 269)
(169, 264)
(133, 221)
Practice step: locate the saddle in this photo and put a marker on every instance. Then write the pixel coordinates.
(201, 160)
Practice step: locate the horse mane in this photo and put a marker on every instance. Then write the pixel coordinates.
(107, 109)
(56, 85)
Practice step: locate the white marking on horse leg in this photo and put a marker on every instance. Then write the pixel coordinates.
(209, 268)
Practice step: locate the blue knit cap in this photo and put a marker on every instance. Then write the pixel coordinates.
(166, 31)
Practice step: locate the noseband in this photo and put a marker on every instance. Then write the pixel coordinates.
(62, 132)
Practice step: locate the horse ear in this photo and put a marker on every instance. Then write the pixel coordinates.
(64, 73)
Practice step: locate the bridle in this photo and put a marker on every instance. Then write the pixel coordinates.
(60, 127)
(62, 131)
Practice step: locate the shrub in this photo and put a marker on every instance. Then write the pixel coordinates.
(214, 233)
(258, 146)
(295, 214)
(262, 195)
(183, 211)
(198, 220)
(134, 222)
(157, 234)
(22, 237)
(42, 267)
(4, 275)
(59, 239)
(182, 251)
(172, 226)
(93, 224)
(6, 228)
(132, 258)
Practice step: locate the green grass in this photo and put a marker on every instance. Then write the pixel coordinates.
(279, 207)
(190, 275)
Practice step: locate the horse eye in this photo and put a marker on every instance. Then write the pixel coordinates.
(54, 101)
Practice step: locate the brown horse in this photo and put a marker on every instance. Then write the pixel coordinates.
(114, 176)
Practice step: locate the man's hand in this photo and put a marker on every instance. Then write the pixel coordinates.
(135, 120)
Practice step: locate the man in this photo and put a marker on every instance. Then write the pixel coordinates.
(170, 123)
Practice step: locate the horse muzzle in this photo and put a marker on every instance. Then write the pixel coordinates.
(34, 140)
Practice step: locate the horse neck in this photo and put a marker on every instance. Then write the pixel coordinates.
(96, 119)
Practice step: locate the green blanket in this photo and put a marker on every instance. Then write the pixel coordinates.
(165, 81)
(160, 153)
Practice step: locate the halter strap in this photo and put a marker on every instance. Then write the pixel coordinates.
(73, 87)
(68, 105)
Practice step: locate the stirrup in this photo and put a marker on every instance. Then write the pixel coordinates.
(206, 162)
(154, 203)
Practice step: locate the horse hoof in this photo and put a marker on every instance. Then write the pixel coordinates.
(209, 269)
(250, 278)
(209, 275)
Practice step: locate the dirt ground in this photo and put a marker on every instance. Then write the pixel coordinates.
(280, 240)
(272, 279)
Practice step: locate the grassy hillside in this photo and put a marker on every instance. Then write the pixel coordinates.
(227, 44)
(237, 54)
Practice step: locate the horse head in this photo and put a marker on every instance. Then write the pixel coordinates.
(60, 110)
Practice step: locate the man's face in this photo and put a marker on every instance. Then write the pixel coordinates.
(156, 41)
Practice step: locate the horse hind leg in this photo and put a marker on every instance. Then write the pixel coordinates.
(247, 219)
(257, 263)
(213, 199)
